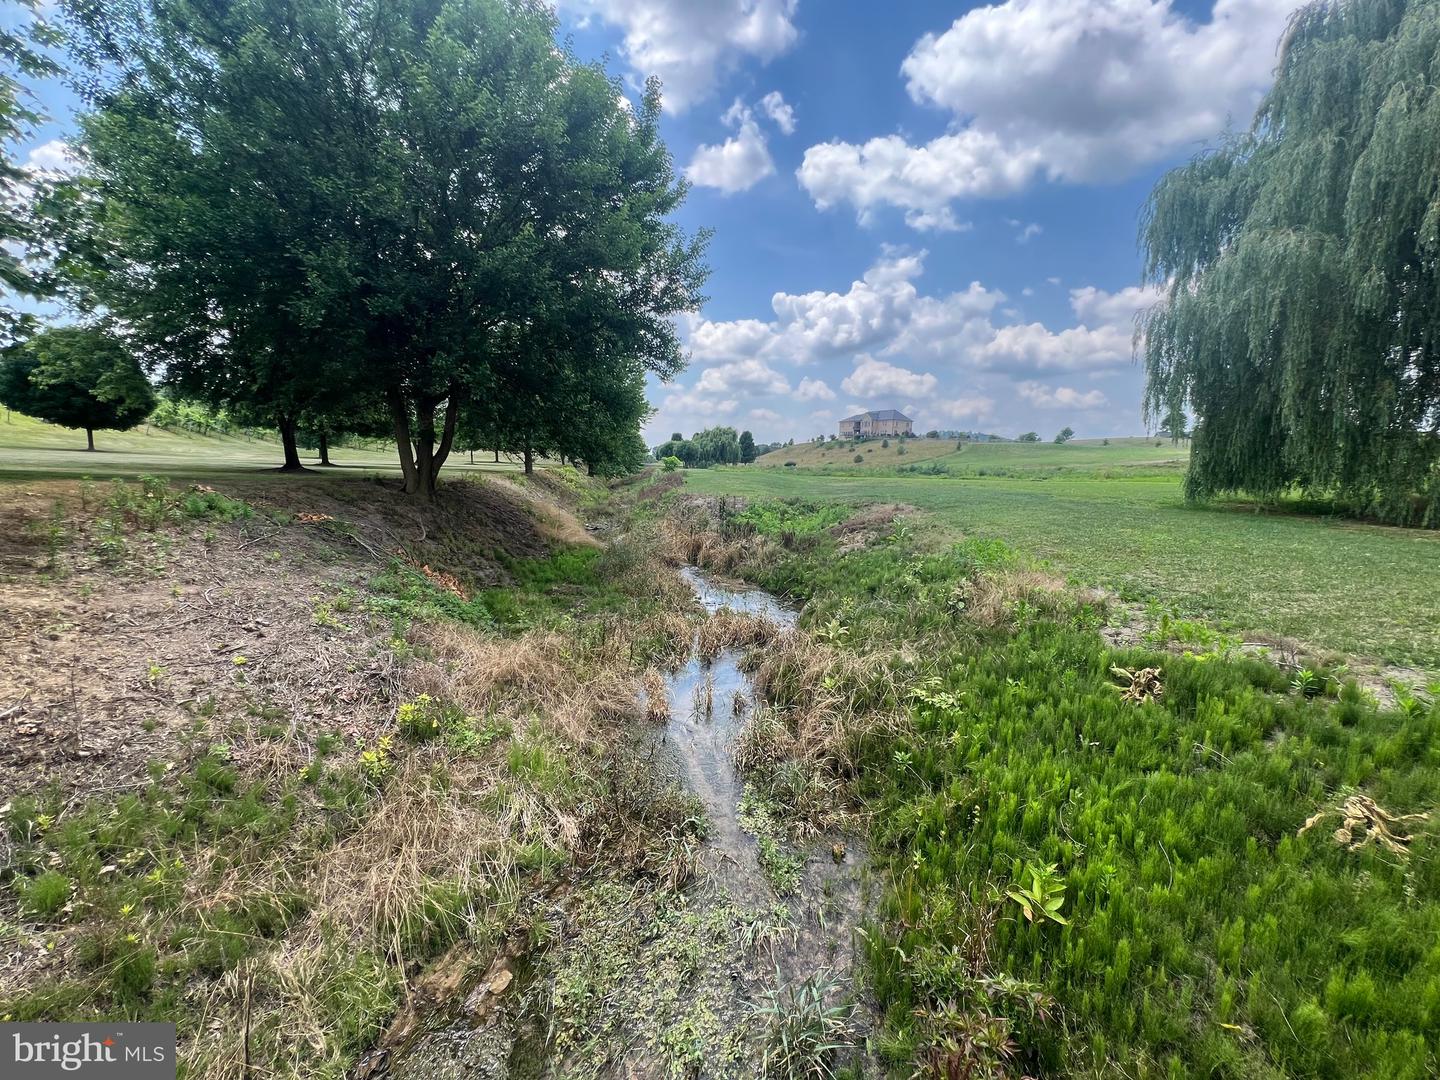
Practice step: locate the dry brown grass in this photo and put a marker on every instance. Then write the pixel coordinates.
(657, 703)
(829, 696)
(689, 537)
(425, 829)
(727, 629)
(581, 695)
(991, 599)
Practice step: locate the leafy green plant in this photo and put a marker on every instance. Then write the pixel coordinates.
(806, 1025)
(375, 761)
(1042, 897)
(427, 718)
(1308, 683)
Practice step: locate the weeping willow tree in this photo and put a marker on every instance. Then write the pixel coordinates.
(1301, 265)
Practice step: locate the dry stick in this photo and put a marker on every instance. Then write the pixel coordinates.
(256, 539)
(249, 986)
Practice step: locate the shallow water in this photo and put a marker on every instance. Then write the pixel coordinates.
(707, 702)
(818, 921)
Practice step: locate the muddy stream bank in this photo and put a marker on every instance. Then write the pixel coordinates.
(659, 983)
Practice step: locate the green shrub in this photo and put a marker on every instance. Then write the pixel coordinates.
(426, 718)
(43, 896)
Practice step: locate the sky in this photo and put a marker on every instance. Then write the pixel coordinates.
(918, 205)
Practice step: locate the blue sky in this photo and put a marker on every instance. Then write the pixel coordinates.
(918, 205)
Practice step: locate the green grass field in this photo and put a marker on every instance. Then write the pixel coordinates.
(1117, 457)
(34, 449)
(1361, 590)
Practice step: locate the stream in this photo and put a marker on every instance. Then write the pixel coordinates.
(815, 923)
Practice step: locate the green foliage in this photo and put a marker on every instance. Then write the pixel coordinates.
(425, 718)
(468, 225)
(1300, 264)
(1042, 896)
(77, 376)
(747, 448)
(669, 463)
(713, 446)
(1283, 574)
(805, 1026)
(1029, 436)
(43, 896)
(1065, 435)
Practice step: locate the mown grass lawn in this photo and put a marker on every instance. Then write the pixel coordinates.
(33, 449)
(1361, 590)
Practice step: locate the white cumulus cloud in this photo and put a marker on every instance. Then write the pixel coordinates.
(874, 378)
(751, 374)
(737, 164)
(1061, 397)
(1059, 90)
(51, 157)
(781, 114)
(691, 44)
(813, 390)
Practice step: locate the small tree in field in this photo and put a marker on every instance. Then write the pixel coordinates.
(1065, 436)
(1030, 436)
(79, 377)
(747, 448)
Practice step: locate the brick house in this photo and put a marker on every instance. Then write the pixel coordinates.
(875, 424)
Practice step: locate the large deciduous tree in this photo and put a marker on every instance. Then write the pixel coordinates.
(78, 376)
(1301, 262)
(314, 201)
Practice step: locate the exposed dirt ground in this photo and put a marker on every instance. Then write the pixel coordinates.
(110, 664)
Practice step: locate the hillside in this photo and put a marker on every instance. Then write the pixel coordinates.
(1130, 456)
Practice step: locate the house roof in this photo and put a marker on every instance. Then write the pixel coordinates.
(880, 414)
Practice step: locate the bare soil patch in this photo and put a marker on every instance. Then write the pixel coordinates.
(112, 664)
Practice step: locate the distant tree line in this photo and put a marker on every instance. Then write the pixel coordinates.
(364, 217)
(713, 446)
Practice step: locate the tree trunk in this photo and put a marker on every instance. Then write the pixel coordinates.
(89, 438)
(422, 461)
(287, 440)
(400, 416)
(529, 459)
(589, 469)
(425, 451)
(497, 455)
(324, 449)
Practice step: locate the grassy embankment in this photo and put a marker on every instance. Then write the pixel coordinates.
(274, 752)
(1363, 591)
(1085, 881)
